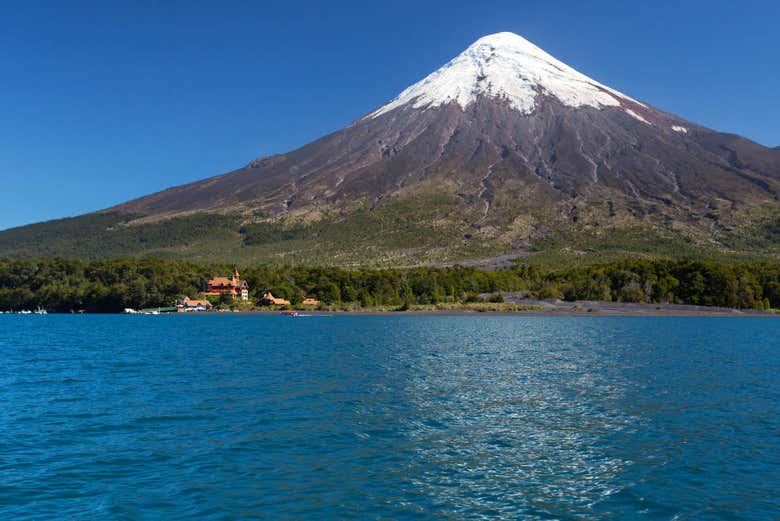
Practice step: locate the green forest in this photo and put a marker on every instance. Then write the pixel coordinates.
(109, 286)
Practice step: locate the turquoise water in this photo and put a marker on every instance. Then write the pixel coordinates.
(400, 417)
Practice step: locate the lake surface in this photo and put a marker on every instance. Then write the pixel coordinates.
(389, 417)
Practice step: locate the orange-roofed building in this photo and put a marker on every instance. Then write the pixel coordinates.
(269, 300)
(233, 286)
(310, 302)
(191, 304)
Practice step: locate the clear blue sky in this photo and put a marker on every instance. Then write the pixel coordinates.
(102, 102)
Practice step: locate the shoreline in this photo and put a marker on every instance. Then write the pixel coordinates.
(535, 313)
(535, 308)
(546, 308)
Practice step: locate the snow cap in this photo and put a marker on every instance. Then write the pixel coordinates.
(509, 67)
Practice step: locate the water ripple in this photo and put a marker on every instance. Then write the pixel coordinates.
(388, 418)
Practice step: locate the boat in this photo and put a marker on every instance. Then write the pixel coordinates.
(289, 313)
(158, 311)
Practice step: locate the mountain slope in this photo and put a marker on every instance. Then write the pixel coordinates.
(504, 149)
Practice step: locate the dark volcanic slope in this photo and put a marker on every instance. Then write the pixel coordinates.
(567, 152)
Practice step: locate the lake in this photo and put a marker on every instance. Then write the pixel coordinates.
(389, 417)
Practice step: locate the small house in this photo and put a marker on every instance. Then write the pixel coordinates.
(269, 300)
(189, 304)
(308, 301)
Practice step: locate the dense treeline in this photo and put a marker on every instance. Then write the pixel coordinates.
(98, 286)
(735, 285)
(387, 287)
(110, 286)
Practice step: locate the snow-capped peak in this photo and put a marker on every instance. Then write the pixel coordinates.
(507, 66)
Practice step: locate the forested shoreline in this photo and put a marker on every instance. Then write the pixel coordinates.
(61, 285)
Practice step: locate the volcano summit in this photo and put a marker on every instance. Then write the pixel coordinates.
(505, 150)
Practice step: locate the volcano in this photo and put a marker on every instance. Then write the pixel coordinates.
(503, 151)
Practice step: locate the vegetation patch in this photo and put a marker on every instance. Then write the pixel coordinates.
(411, 231)
(113, 234)
(270, 233)
(112, 285)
